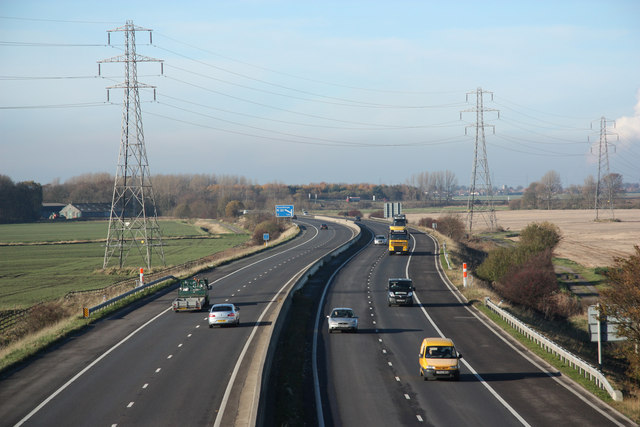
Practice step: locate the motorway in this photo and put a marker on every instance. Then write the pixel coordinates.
(146, 365)
(372, 377)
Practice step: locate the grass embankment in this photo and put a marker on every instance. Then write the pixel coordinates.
(44, 261)
(570, 334)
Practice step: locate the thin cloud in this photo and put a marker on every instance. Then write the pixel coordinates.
(628, 127)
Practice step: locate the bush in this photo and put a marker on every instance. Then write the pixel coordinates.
(532, 284)
(497, 264)
(427, 222)
(272, 227)
(515, 204)
(564, 304)
(540, 236)
(234, 208)
(377, 214)
(452, 227)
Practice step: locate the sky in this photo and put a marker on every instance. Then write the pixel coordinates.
(301, 92)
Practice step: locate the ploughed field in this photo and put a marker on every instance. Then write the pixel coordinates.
(585, 241)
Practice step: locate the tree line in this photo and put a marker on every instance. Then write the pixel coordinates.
(548, 193)
(19, 202)
(207, 195)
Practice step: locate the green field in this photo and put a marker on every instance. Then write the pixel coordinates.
(81, 230)
(34, 273)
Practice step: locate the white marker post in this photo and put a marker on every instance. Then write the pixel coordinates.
(141, 277)
(599, 338)
(464, 274)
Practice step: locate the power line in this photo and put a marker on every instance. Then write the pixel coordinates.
(371, 126)
(65, 21)
(46, 106)
(343, 101)
(301, 77)
(327, 143)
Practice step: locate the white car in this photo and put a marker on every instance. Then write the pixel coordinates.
(224, 314)
(379, 240)
(342, 319)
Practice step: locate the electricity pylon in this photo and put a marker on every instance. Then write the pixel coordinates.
(480, 170)
(604, 199)
(133, 221)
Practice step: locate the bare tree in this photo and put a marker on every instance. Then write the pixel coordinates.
(551, 186)
(589, 192)
(612, 183)
(530, 196)
(450, 184)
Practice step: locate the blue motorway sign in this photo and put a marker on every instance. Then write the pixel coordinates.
(284, 211)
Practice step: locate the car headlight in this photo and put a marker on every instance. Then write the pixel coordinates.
(410, 294)
(431, 367)
(391, 294)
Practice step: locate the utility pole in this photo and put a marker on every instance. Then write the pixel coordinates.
(133, 221)
(604, 199)
(480, 169)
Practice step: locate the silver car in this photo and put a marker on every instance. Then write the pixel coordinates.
(224, 314)
(342, 319)
(380, 240)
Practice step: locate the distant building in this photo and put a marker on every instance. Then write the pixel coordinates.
(86, 210)
(51, 210)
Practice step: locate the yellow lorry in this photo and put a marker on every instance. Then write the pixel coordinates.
(398, 242)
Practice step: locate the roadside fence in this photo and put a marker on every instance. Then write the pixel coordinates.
(88, 310)
(585, 369)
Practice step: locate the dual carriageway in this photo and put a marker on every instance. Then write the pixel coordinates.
(146, 365)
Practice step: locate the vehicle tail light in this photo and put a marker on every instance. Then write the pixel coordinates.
(231, 314)
(212, 315)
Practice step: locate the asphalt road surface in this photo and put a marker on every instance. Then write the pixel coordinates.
(146, 365)
(371, 378)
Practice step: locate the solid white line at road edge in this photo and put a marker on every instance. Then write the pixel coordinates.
(521, 353)
(92, 364)
(473, 371)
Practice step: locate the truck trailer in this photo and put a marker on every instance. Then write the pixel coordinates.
(193, 294)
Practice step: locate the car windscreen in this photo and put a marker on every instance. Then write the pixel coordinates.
(342, 313)
(440, 352)
(398, 236)
(222, 308)
(400, 286)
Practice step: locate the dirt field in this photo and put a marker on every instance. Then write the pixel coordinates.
(589, 243)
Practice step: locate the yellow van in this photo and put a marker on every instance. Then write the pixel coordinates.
(438, 358)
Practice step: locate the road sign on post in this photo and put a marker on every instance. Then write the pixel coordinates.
(392, 209)
(284, 211)
(265, 237)
(602, 328)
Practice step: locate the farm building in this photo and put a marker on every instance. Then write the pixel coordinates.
(50, 210)
(86, 210)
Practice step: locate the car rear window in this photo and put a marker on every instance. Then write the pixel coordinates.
(222, 308)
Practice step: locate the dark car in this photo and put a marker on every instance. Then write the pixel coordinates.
(400, 291)
(324, 227)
